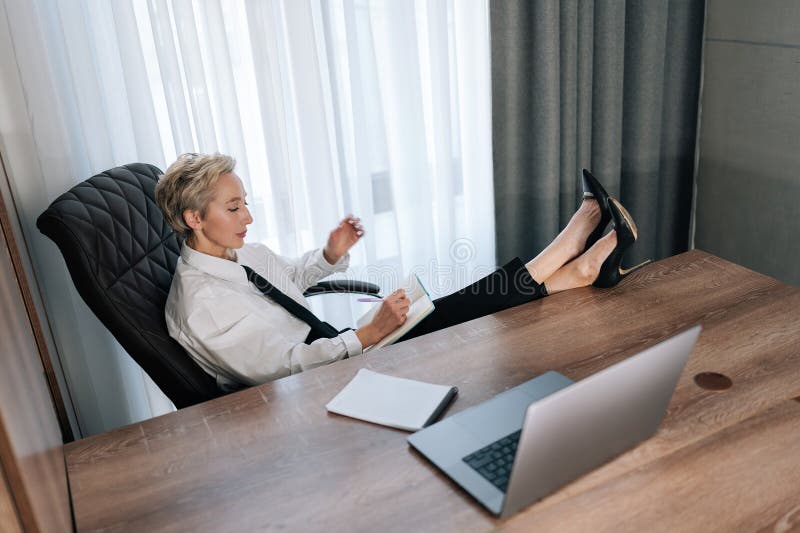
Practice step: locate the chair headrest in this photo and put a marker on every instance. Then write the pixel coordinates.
(131, 249)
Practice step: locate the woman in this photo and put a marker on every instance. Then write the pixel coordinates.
(239, 310)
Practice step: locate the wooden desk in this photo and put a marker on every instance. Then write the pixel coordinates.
(270, 457)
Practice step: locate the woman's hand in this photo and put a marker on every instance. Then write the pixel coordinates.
(342, 238)
(390, 315)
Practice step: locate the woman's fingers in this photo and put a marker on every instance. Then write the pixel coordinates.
(399, 294)
(398, 304)
(355, 222)
(401, 311)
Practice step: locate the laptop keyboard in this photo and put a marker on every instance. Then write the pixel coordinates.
(495, 460)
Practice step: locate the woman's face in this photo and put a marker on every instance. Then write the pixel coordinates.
(225, 223)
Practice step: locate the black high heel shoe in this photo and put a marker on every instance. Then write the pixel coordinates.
(612, 272)
(593, 190)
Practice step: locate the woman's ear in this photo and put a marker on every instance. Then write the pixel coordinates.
(192, 219)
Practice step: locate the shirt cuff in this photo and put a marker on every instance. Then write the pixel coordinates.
(351, 342)
(339, 266)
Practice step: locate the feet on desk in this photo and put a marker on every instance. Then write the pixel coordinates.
(584, 270)
(580, 255)
(570, 243)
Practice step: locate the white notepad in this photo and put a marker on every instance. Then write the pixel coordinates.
(396, 402)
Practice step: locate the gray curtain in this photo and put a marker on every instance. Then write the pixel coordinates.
(608, 85)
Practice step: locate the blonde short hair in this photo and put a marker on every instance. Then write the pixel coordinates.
(189, 184)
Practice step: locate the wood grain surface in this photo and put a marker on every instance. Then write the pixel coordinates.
(270, 457)
(9, 519)
(750, 468)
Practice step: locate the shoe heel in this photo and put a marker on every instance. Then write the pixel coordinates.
(625, 271)
(611, 272)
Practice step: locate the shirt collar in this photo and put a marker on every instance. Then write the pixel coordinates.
(220, 268)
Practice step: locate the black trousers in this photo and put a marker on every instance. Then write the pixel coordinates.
(506, 287)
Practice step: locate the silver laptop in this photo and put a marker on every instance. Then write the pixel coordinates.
(527, 442)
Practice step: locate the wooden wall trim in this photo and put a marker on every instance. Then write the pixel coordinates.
(33, 316)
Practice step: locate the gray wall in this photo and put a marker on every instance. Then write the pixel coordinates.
(748, 182)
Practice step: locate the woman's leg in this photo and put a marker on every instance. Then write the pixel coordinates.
(568, 244)
(561, 264)
(515, 283)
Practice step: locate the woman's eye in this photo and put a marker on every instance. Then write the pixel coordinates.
(233, 210)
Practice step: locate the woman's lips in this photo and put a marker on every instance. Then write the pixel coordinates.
(242, 234)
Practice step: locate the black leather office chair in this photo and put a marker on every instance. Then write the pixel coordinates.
(121, 255)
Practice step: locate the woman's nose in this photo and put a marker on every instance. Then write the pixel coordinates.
(248, 218)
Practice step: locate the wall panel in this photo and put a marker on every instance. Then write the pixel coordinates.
(748, 183)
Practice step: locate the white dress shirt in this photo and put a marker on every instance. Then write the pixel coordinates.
(234, 332)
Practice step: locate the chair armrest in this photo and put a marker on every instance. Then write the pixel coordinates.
(342, 285)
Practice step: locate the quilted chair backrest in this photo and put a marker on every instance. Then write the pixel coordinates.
(121, 254)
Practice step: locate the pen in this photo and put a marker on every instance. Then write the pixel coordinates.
(370, 300)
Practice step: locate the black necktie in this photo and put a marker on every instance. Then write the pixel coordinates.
(319, 329)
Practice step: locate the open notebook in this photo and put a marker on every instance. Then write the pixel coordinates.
(421, 306)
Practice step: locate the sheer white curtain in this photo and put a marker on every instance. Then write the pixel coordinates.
(378, 108)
